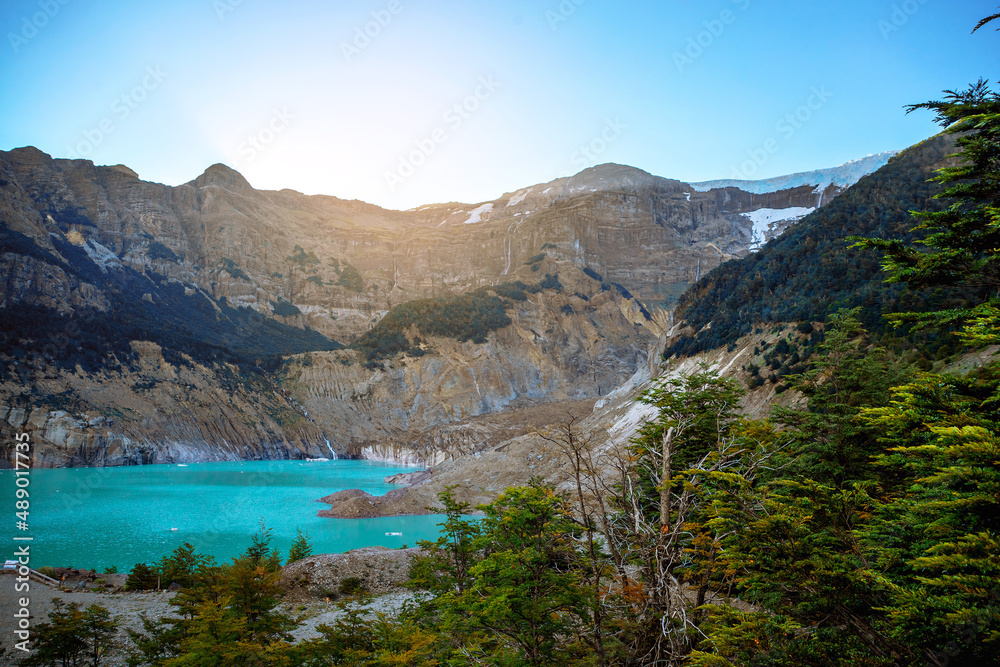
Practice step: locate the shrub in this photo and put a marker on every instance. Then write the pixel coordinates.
(351, 278)
(141, 578)
(551, 282)
(283, 308)
(353, 586)
(233, 269)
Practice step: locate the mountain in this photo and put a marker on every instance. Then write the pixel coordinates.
(812, 271)
(151, 323)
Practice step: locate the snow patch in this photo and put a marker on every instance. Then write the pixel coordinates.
(764, 218)
(100, 255)
(518, 197)
(476, 214)
(687, 195)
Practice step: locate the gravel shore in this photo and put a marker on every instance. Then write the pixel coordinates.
(311, 590)
(129, 607)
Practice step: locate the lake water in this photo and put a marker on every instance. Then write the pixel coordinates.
(98, 517)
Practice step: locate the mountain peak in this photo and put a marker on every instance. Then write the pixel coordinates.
(611, 176)
(224, 177)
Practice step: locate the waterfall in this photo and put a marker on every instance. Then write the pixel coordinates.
(333, 454)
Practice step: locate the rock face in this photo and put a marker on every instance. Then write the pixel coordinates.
(573, 345)
(155, 414)
(607, 425)
(204, 285)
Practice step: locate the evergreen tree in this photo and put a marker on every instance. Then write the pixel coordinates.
(522, 590)
(451, 556)
(847, 374)
(142, 578)
(72, 633)
(184, 566)
(960, 242)
(300, 548)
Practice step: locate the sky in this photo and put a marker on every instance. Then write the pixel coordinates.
(409, 102)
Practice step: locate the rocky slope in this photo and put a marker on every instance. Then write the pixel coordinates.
(606, 426)
(147, 323)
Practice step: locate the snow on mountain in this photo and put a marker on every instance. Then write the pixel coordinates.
(518, 197)
(764, 220)
(476, 214)
(843, 176)
(101, 256)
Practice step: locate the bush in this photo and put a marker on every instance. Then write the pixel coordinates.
(351, 278)
(353, 586)
(551, 282)
(285, 308)
(233, 269)
(141, 578)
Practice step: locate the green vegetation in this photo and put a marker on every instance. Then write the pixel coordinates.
(226, 615)
(534, 260)
(72, 636)
(301, 547)
(353, 586)
(812, 270)
(351, 278)
(283, 308)
(301, 258)
(233, 269)
(466, 317)
(142, 578)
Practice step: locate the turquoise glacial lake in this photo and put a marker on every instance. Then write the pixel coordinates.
(99, 517)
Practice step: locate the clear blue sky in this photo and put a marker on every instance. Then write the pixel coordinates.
(290, 94)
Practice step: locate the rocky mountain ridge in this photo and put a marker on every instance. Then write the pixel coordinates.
(210, 284)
